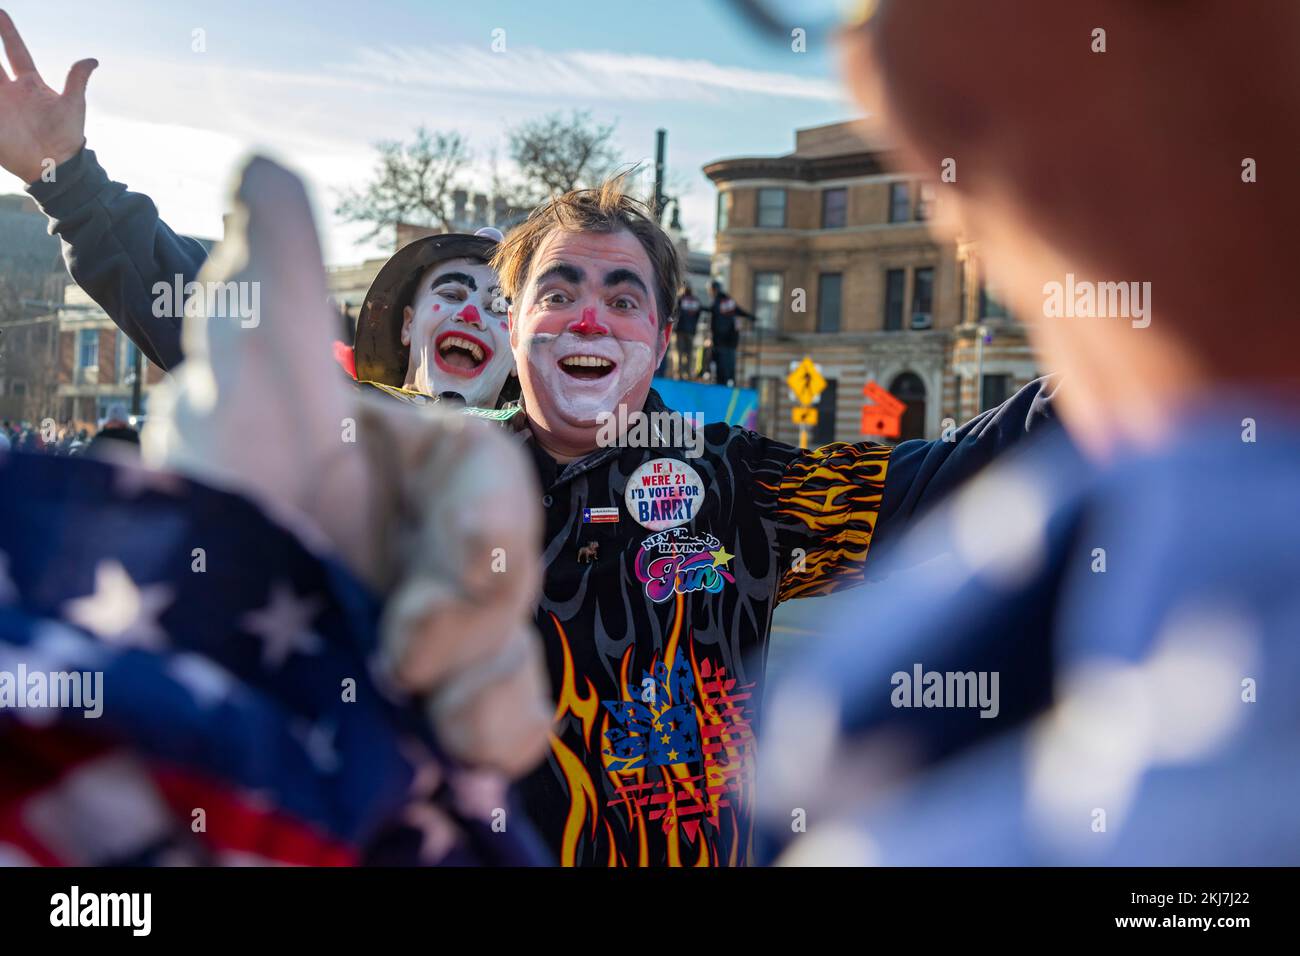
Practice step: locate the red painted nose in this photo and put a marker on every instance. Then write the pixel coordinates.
(469, 315)
(588, 324)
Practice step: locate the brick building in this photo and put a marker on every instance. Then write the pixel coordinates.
(834, 256)
(94, 362)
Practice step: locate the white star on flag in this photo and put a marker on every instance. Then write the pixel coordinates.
(118, 611)
(283, 625)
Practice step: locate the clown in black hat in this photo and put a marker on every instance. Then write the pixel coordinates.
(434, 324)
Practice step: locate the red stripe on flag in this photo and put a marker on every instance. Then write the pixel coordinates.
(236, 825)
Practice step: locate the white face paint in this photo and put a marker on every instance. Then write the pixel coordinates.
(581, 402)
(587, 334)
(457, 331)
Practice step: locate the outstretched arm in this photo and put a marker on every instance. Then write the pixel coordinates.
(115, 245)
(835, 503)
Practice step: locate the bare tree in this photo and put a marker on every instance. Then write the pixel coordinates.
(413, 183)
(27, 355)
(555, 154)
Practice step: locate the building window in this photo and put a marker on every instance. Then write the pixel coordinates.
(922, 298)
(87, 348)
(835, 208)
(829, 299)
(925, 202)
(894, 285)
(767, 300)
(900, 202)
(994, 390)
(771, 208)
(724, 209)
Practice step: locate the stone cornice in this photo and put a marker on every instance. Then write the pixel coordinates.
(797, 168)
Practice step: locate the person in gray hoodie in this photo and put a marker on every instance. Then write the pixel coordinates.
(433, 324)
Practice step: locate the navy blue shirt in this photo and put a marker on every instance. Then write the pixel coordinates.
(1141, 619)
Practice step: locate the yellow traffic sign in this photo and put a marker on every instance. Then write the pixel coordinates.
(806, 381)
(803, 415)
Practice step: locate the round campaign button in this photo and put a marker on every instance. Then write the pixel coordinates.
(663, 493)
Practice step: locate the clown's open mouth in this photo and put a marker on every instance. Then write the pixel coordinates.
(461, 355)
(586, 367)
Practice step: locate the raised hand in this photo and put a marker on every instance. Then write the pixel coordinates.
(39, 128)
(420, 503)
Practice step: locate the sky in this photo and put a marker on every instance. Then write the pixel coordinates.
(316, 84)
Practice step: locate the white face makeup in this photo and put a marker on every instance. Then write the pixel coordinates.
(457, 330)
(564, 361)
(587, 335)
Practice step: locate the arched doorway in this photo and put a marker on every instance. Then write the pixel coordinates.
(908, 387)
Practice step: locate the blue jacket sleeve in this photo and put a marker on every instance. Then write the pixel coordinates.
(834, 505)
(116, 249)
(924, 472)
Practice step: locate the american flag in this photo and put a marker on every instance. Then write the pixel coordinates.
(243, 720)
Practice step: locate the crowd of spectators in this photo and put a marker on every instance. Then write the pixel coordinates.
(115, 433)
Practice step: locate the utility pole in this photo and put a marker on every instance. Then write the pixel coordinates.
(661, 149)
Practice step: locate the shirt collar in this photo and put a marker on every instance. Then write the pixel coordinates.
(552, 473)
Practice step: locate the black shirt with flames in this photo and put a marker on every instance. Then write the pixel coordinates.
(658, 604)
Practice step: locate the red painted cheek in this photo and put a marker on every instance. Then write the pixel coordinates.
(436, 308)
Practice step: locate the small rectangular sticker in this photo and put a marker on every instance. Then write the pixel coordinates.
(599, 515)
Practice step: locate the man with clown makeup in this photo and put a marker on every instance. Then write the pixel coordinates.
(664, 560)
(434, 323)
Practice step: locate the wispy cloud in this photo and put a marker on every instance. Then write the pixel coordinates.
(180, 143)
(588, 74)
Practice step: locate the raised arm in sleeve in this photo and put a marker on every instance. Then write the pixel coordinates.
(117, 249)
(923, 472)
